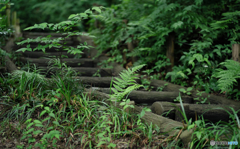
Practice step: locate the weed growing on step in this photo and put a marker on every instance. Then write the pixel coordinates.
(97, 74)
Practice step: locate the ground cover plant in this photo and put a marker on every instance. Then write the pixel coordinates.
(57, 113)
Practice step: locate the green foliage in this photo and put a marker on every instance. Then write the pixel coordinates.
(51, 11)
(228, 77)
(201, 99)
(202, 33)
(149, 24)
(5, 30)
(49, 133)
(65, 27)
(121, 85)
(188, 91)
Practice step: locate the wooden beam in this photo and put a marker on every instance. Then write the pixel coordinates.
(8, 13)
(170, 51)
(235, 52)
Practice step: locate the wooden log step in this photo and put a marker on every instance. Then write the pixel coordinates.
(83, 62)
(53, 37)
(36, 34)
(208, 111)
(37, 54)
(151, 96)
(212, 99)
(45, 34)
(35, 44)
(52, 49)
(98, 81)
(166, 125)
(84, 71)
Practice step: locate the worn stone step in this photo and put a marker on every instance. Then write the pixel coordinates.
(83, 62)
(38, 54)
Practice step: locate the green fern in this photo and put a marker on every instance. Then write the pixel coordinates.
(228, 77)
(122, 85)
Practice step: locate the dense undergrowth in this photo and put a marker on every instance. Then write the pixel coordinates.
(50, 12)
(58, 113)
(203, 31)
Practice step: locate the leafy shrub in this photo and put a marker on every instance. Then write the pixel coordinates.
(202, 35)
(52, 11)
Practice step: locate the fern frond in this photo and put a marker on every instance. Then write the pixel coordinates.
(137, 68)
(118, 88)
(127, 78)
(129, 89)
(115, 91)
(228, 77)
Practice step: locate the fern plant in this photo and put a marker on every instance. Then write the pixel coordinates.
(228, 77)
(126, 83)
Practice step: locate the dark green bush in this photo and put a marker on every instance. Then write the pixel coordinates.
(204, 32)
(51, 11)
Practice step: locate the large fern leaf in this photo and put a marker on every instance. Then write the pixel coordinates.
(126, 83)
(228, 77)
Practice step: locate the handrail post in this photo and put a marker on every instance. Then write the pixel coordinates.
(170, 51)
(8, 13)
(235, 52)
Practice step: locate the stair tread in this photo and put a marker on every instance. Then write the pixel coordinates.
(84, 71)
(85, 62)
(42, 34)
(63, 59)
(83, 68)
(39, 54)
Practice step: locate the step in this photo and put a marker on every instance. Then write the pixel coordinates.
(36, 34)
(84, 71)
(38, 54)
(52, 49)
(99, 81)
(85, 62)
(53, 36)
(150, 96)
(35, 44)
